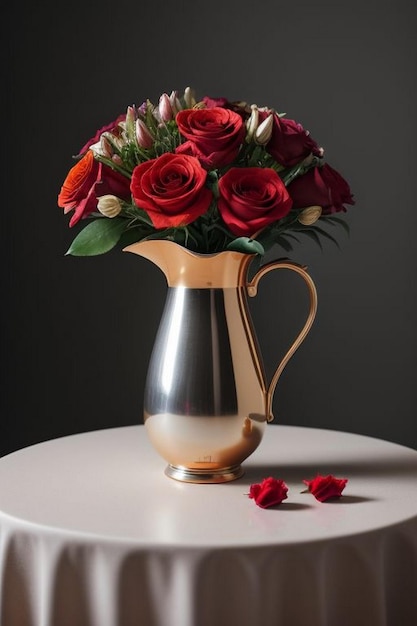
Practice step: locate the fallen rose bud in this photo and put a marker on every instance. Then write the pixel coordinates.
(325, 487)
(270, 492)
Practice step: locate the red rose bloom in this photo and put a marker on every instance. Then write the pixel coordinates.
(321, 186)
(86, 181)
(325, 487)
(270, 492)
(214, 135)
(217, 102)
(290, 143)
(241, 109)
(251, 198)
(171, 189)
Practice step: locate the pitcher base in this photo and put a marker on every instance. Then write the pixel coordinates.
(221, 475)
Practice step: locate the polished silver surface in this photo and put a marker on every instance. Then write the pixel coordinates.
(203, 385)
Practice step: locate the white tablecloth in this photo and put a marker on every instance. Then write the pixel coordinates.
(94, 534)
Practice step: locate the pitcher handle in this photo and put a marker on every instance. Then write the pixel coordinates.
(252, 288)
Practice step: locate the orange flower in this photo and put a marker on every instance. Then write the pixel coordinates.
(86, 181)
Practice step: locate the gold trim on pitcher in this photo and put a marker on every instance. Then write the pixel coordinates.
(184, 268)
(252, 289)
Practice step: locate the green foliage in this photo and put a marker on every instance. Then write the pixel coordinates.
(121, 148)
(97, 237)
(246, 245)
(291, 230)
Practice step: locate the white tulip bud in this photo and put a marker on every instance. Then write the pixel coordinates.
(109, 206)
(264, 131)
(252, 123)
(309, 215)
(189, 98)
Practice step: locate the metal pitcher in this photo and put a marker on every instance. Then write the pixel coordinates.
(207, 399)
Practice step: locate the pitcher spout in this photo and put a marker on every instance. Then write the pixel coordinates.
(184, 268)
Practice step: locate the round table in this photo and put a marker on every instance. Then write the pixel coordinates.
(93, 533)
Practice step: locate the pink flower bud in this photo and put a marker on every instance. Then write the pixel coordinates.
(165, 108)
(130, 115)
(143, 135)
(175, 103)
(106, 147)
(117, 159)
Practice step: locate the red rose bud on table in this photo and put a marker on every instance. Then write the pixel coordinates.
(270, 492)
(325, 487)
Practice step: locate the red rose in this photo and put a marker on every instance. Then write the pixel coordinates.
(111, 127)
(217, 102)
(325, 487)
(214, 135)
(171, 189)
(85, 182)
(251, 198)
(290, 143)
(238, 107)
(321, 186)
(270, 492)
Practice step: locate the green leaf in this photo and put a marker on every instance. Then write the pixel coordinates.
(312, 235)
(132, 235)
(291, 236)
(291, 173)
(326, 235)
(333, 220)
(246, 245)
(98, 237)
(283, 243)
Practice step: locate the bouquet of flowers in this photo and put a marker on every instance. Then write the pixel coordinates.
(209, 174)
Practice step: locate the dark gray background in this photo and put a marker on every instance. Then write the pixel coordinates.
(77, 333)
